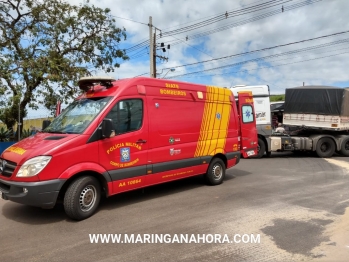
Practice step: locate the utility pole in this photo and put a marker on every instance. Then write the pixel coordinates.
(151, 48)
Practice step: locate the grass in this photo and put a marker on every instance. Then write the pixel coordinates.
(275, 98)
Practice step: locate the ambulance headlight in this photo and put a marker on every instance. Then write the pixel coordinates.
(33, 166)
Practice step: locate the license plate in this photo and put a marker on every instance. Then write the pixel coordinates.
(250, 153)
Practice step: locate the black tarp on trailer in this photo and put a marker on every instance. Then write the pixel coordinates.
(321, 100)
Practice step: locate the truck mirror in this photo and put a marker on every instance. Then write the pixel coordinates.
(45, 124)
(107, 128)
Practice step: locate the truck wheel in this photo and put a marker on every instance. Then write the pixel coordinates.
(260, 148)
(82, 198)
(345, 147)
(216, 172)
(325, 147)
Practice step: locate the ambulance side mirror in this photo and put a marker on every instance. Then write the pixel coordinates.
(107, 128)
(45, 124)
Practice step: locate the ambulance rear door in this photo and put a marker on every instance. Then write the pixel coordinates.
(248, 130)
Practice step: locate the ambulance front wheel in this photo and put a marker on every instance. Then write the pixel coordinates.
(82, 198)
(216, 172)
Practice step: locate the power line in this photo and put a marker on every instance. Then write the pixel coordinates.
(139, 53)
(306, 60)
(191, 47)
(211, 20)
(227, 26)
(246, 21)
(140, 75)
(243, 53)
(203, 19)
(264, 49)
(267, 57)
(227, 15)
(195, 25)
(129, 20)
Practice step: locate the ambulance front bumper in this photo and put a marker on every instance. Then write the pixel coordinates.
(40, 194)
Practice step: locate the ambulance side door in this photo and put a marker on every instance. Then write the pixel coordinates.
(125, 154)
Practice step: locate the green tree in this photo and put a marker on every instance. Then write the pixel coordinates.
(46, 46)
(276, 98)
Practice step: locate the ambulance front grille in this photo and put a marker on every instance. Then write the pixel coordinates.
(7, 167)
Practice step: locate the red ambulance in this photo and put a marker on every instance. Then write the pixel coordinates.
(128, 134)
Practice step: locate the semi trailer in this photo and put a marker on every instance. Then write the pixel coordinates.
(316, 119)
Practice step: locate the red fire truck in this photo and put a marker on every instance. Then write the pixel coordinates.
(128, 134)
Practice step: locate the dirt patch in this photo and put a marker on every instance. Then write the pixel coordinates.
(337, 249)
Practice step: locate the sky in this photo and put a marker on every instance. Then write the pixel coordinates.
(274, 27)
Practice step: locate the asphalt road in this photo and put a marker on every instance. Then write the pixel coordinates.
(298, 205)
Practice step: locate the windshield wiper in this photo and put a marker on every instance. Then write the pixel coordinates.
(54, 131)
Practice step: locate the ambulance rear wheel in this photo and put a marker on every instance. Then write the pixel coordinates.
(216, 172)
(82, 198)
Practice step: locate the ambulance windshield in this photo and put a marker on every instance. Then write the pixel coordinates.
(77, 116)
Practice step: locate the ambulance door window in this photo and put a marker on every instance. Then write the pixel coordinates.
(247, 114)
(127, 116)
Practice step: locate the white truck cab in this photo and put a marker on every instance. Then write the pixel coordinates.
(261, 101)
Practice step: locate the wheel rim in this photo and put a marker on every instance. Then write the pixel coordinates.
(324, 147)
(217, 172)
(87, 198)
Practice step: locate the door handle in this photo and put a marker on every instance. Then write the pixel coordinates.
(141, 141)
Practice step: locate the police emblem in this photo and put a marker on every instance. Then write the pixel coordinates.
(125, 154)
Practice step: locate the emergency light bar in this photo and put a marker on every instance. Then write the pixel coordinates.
(86, 83)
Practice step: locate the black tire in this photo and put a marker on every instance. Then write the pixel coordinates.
(216, 172)
(325, 147)
(260, 148)
(82, 198)
(345, 147)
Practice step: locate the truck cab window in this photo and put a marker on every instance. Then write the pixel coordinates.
(127, 116)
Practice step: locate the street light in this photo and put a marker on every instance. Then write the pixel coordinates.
(172, 70)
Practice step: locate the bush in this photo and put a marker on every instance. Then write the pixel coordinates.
(26, 133)
(5, 135)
